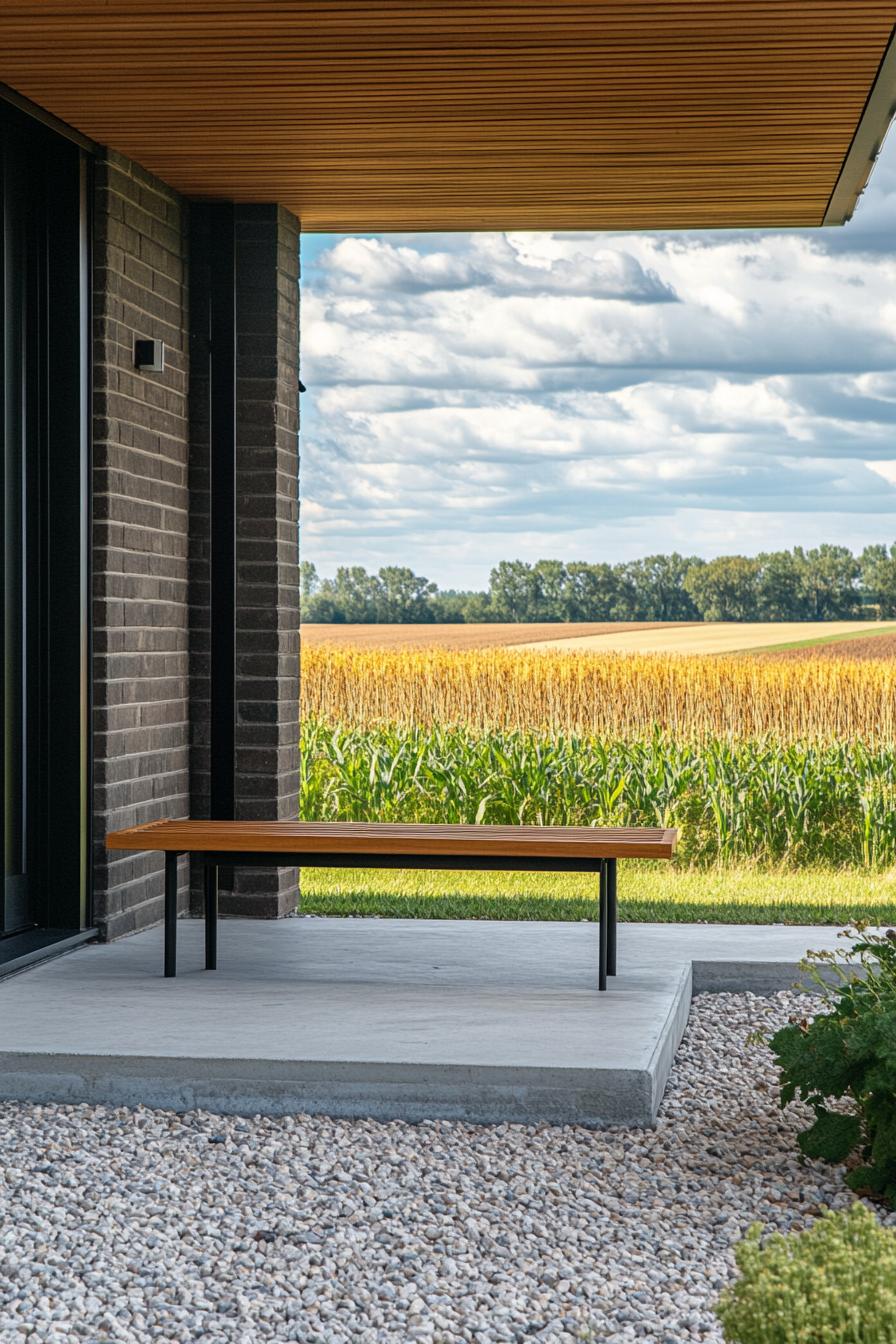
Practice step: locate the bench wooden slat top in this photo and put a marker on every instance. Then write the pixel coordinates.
(383, 838)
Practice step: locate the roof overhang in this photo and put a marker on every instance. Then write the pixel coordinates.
(866, 143)
(410, 115)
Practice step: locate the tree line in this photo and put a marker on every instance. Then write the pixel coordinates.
(826, 583)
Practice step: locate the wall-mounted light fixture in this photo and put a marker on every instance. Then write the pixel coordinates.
(149, 356)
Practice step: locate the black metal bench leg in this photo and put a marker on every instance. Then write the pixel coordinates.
(171, 915)
(611, 916)
(211, 916)
(602, 930)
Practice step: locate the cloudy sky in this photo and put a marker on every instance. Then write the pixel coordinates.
(479, 397)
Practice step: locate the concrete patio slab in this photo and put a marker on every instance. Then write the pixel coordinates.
(479, 1020)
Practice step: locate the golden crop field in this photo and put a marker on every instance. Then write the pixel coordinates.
(614, 695)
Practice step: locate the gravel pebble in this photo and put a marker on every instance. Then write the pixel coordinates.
(143, 1225)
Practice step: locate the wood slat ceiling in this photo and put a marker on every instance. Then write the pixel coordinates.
(493, 114)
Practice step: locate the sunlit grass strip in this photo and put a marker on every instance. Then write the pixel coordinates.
(607, 695)
(757, 800)
(850, 637)
(742, 895)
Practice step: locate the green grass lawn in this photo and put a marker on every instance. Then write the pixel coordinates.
(647, 892)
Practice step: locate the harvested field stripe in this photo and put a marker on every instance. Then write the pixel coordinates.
(460, 636)
(706, 637)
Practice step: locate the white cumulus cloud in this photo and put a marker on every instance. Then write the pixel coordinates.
(488, 396)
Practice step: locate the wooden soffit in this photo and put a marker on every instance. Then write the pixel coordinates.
(488, 114)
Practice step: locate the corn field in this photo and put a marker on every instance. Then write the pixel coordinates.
(754, 759)
(607, 696)
(757, 800)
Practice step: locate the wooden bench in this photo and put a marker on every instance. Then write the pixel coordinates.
(357, 844)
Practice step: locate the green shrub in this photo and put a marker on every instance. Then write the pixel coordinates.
(833, 1284)
(848, 1054)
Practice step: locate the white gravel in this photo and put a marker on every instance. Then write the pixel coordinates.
(146, 1225)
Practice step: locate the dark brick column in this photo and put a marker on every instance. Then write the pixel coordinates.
(267, 649)
(140, 508)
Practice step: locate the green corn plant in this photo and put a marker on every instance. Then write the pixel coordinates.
(792, 804)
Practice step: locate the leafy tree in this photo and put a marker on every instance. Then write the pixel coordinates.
(322, 610)
(313, 606)
(591, 592)
(781, 587)
(627, 605)
(659, 582)
(550, 580)
(404, 596)
(832, 574)
(449, 606)
(878, 573)
(513, 590)
(725, 589)
(826, 583)
(308, 579)
(478, 608)
(354, 592)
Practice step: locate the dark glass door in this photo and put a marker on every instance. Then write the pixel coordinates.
(43, 515)
(17, 909)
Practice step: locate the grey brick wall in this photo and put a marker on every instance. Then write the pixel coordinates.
(267, 555)
(140, 503)
(150, 537)
(267, 617)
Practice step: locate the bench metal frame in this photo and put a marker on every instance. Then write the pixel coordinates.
(604, 869)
